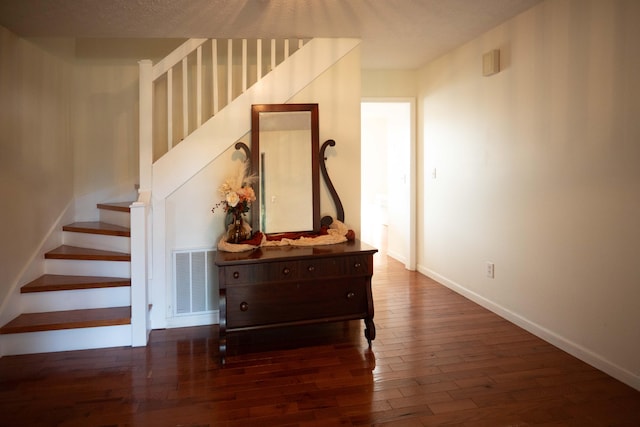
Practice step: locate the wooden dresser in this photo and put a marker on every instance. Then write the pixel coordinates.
(290, 285)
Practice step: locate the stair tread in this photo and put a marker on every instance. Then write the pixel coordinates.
(98, 227)
(58, 282)
(89, 254)
(115, 206)
(57, 320)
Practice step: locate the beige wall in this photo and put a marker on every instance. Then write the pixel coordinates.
(338, 93)
(389, 83)
(105, 118)
(36, 151)
(538, 172)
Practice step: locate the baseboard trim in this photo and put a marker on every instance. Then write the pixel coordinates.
(576, 350)
(184, 321)
(397, 256)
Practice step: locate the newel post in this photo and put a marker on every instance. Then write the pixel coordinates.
(140, 211)
(140, 224)
(145, 123)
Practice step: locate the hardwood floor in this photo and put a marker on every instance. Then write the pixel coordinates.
(438, 359)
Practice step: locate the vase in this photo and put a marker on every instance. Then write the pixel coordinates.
(236, 231)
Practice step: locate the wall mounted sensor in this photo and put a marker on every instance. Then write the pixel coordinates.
(491, 62)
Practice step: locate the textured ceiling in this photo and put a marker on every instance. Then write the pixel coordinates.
(395, 33)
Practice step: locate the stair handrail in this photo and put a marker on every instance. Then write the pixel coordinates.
(175, 56)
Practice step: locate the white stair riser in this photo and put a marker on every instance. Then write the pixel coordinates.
(66, 340)
(122, 219)
(76, 299)
(88, 268)
(97, 241)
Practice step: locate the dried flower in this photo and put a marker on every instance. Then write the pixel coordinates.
(237, 193)
(232, 198)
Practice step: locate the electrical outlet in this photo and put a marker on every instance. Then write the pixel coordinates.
(490, 270)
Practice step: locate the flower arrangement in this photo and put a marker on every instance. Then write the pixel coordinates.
(237, 196)
(236, 200)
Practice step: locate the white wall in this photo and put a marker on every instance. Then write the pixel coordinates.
(538, 172)
(36, 153)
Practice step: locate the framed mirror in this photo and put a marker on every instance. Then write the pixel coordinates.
(284, 154)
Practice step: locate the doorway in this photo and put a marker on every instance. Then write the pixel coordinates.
(388, 177)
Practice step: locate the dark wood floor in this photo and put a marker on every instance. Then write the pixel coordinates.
(438, 359)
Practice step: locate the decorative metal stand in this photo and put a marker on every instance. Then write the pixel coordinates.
(332, 190)
(247, 151)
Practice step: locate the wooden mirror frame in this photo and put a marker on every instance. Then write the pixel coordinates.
(256, 109)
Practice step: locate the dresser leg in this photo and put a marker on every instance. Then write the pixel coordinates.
(223, 349)
(370, 330)
(222, 302)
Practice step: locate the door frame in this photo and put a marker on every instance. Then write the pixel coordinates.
(410, 263)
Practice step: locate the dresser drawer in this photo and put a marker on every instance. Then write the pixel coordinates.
(248, 305)
(347, 266)
(313, 268)
(261, 273)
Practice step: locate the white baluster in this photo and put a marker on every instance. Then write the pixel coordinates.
(185, 99)
(244, 65)
(199, 86)
(214, 72)
(169, 109)
(229, 71)
(145, 117)
(273, 54)
(258, 59)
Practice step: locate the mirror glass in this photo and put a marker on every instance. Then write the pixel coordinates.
(284, 155)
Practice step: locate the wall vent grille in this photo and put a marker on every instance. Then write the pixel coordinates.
(194, 272)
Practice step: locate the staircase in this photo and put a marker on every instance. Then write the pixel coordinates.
(97, 288)
(84, 298)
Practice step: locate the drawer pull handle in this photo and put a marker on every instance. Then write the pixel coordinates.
(357, 265)
(311, 269)
(236, 274)
(350, 295)
(244, 306)
(286, 271)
